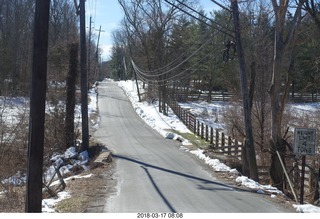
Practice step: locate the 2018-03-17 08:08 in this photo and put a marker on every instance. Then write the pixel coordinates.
(159, 215)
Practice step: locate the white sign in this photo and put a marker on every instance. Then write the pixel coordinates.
(304, 141)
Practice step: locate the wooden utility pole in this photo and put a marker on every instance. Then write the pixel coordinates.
(97, 50)
(84, 78)
(70, 92)
(97, 57)
(249, 143)
(89, 48)
(37, 108)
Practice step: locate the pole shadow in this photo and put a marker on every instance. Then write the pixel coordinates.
(201, 180)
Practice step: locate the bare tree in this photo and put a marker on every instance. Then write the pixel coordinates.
(282, 38)
(15, 45)
(313, 9)
(149, 23)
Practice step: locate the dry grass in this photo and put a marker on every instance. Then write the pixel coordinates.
(83, 191)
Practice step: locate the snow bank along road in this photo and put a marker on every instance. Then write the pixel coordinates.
(153, 175)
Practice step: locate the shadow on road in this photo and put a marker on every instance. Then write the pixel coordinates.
(166, 201)
(145, 166)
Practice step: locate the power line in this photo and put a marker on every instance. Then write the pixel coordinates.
(222, 31)
(148, 73)
(156, 71)
(178, 65)
(220, 5)
(176, 76)
(203, 16)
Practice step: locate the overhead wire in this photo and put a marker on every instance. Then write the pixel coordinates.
(173, 77)
(173, 68)
(155, 71)
(222, 31)
(147, 75)
(169, 80)
(92, 8)
(214, 22)
(177, 76)
(220, 5)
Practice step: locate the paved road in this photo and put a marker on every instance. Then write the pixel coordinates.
(153, 175)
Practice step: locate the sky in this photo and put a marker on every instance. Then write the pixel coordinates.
(108, 14)
(150, 114)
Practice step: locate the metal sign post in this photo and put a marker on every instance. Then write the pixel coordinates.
(304, 144)
(303, 168)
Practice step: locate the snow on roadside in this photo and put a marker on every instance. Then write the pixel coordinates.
(214, 163)
(165, 126)
(149, 113)
(161, 123)
(57, 159)
(48, 205)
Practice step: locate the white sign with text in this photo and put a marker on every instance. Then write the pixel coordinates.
(304, 141)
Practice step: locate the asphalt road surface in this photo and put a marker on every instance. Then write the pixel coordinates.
(153, 175)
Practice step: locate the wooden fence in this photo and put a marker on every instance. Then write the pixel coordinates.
(226, 96)
(224, 144)
(218, 140)
(196, 94)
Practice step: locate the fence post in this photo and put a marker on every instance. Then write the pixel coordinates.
(182, 115)
(189, 121)
(198, 127)
(185, 116)
(217, 138)
(195, 124)
(222, 140)
(211, 135)
(236, 151)
(229, 145)
(207, 134)
(202, 137)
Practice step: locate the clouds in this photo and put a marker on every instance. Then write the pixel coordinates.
(106, 51)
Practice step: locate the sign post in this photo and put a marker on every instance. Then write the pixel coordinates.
(304, 144)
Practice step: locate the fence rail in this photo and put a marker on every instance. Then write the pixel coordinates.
(196, 94)
(218, 140)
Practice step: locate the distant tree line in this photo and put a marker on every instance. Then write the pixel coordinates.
(16, 30)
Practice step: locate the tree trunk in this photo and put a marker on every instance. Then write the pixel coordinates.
(71, 98)
(164, 99)
(277, 143)
(249, 143)
(276, 171)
